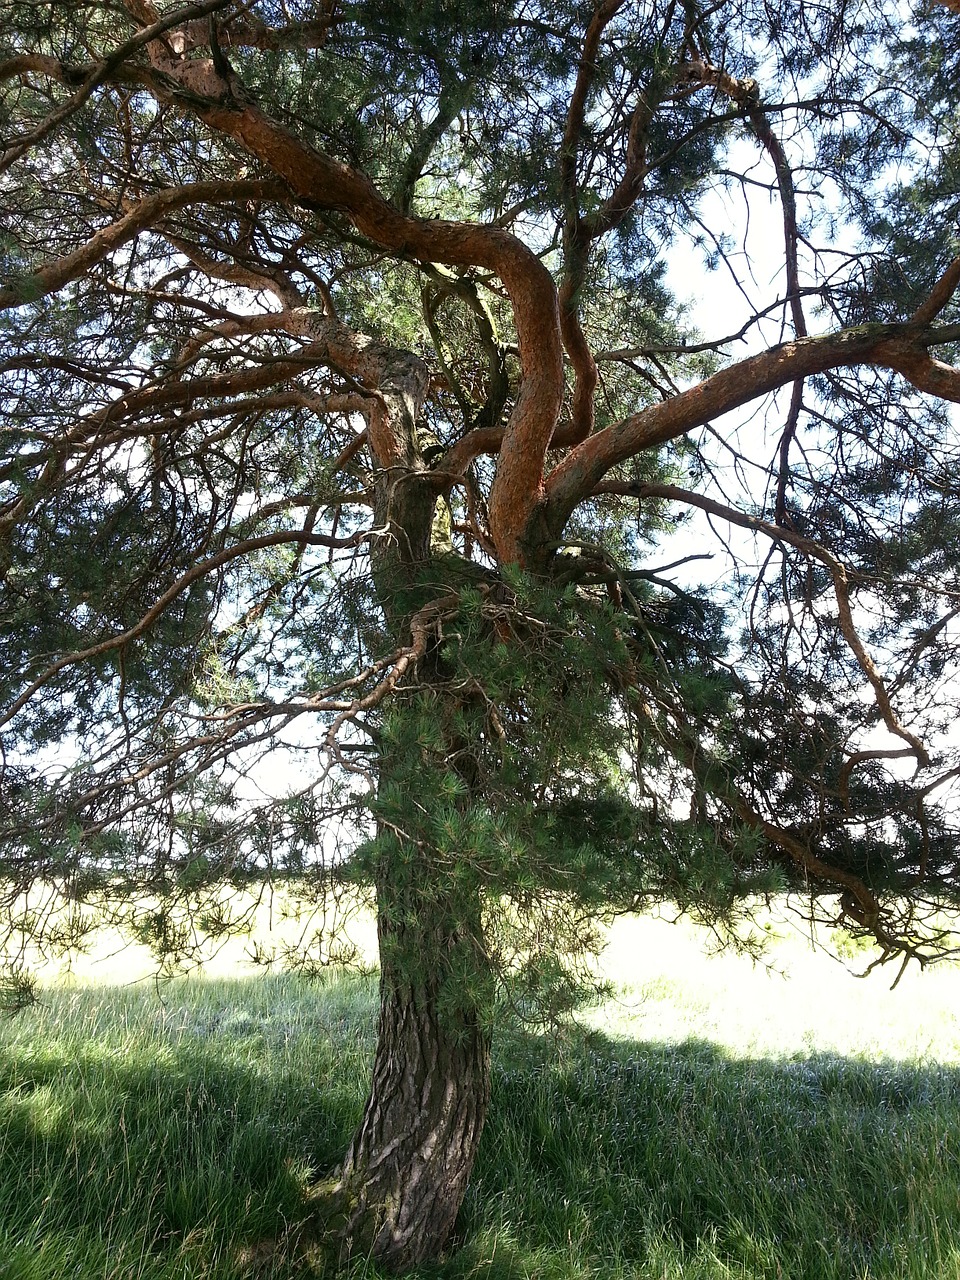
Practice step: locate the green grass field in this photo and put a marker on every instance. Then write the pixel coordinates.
(710, 1120)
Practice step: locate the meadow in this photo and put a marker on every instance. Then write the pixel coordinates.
(711, 1119)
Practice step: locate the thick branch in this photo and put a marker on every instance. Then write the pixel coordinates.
(320, 181)
(899, 347)
(940, 295)
(247, 31)
(262, 276)
(371, 366)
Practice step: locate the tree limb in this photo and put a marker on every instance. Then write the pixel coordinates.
(902, 348)
(151, 32)
(838, 571)
(197, 571)
(940, 295)
(54, 275)
(322, 182)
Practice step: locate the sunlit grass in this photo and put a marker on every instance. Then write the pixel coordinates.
(801, 1000)
(711, 1120)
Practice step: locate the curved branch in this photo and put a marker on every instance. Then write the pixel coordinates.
(863, 901)
(579, 232)
(155, 28)
(421, 627)
(265, 276)
(788, 203)
(745, 94)
(247, 31)
(319, 181)
(142, 404)
(866, 901)
(838, 571)
(861, 757)
(56, 274)
(459, 456)
(603, 14)
(367, 363)
(902, 348)
(940, 295)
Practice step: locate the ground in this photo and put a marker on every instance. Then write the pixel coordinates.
(710, 1120)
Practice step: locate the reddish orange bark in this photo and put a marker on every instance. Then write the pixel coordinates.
(524, 508)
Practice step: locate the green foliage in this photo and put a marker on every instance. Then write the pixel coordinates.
(18, 989)
(213, 583)
(359, 446)
(518, 775)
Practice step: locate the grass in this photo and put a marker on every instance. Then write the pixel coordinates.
(710, 1121)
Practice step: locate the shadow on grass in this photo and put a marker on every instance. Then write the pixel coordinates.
(168, 1151)
(644, 1159)
(171, 1136)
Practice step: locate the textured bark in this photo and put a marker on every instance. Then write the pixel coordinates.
(319, 180)
(526, 508)
(404, 1177)
(407, 1169)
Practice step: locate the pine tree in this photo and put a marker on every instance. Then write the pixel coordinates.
(352, 421)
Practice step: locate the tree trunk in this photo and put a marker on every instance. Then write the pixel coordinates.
(406, 1171)
(405, 1175)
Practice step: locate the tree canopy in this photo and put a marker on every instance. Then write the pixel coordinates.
(500, 453)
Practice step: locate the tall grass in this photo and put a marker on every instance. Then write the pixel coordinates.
(708, 1122)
